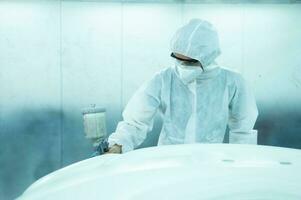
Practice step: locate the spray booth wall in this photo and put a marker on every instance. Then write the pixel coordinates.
(57, 57)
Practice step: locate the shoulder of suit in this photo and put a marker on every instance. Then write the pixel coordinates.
(165, 72)
(231, 73)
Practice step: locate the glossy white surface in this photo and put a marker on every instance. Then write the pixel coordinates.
(198, 171)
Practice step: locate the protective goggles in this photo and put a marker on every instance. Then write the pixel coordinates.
(182, 59)
(187, 61)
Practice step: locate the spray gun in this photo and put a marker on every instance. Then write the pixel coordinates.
(95, 128)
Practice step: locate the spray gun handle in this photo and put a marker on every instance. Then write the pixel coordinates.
(102, 148)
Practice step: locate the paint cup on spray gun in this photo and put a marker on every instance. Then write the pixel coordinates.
(95, 128)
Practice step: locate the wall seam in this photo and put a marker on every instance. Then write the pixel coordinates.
(243, 41)
(61, 87)
(122, 59)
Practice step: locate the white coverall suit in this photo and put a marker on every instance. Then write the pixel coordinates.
(197, 111)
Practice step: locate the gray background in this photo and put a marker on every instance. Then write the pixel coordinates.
(57, 57)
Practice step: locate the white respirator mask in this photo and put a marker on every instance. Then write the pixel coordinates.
(188, 72)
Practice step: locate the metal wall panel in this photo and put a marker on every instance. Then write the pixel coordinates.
(30, 97)
(272, 63)
(91, 63)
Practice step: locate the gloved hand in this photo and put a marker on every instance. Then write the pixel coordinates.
(115, 149)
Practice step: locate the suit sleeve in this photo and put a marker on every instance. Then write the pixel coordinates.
(138, 116)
